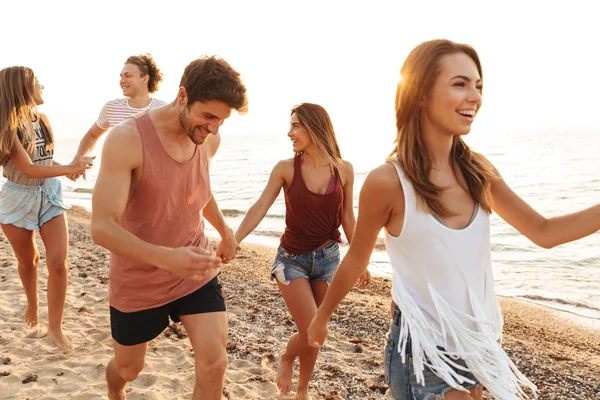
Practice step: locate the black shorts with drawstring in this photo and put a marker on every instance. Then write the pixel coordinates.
(131, 328)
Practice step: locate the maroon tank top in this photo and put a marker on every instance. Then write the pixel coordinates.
(164, 208)
(311, 219)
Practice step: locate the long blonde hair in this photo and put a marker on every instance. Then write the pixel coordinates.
(17, 108)
(318, 124)
(419, 72)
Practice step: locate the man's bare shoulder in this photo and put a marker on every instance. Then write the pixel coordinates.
(212, 144)
(124, 142)
(126, 128)
(125, 132)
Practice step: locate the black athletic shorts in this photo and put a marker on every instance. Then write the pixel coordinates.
(137, 327)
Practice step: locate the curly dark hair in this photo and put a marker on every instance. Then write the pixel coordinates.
(212, 78)
(147, 66)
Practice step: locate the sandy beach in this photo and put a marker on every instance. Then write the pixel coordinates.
(560, 355)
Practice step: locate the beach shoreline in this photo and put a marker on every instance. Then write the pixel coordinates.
(556, 351)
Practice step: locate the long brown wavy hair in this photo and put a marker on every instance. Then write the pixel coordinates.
(418, 75)
(17, 109)
(320, 128)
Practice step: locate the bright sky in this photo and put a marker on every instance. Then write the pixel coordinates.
(539, 59)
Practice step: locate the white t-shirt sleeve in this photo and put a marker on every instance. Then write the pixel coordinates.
(102, 120)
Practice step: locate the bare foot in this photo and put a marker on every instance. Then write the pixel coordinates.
(61, 341)
(31, 315)
(284, 373)
(302, 395)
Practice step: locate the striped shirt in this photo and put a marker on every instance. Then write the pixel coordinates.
(116, 111)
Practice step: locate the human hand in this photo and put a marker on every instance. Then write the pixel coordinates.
(190, 262)
(74, 177)
(79, 165)
(228, 248)
(317, 332)
(364, 280)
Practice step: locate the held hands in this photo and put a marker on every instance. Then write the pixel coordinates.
(191, 262)
(317, 332)
(79, 165)
(228, 248)
(364, 280)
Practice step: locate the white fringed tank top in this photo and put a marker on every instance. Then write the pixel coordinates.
(443, 285)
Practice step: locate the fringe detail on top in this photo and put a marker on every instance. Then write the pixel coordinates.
(480, 349)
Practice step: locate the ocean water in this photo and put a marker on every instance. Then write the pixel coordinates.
(556, 172)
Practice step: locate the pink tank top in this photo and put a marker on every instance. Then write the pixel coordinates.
(164, 208)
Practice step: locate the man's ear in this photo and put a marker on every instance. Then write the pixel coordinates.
(182, 98)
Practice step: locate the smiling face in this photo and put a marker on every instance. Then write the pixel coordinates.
(133, 82)
(298, 134)
(202, 119)
(37, 92)
(455, 98)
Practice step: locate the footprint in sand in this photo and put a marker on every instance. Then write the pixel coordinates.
(171, 349)
(146, 381)
(246, 366)
(37, 333)
(98, 335)
(142, 395)
(235, 376)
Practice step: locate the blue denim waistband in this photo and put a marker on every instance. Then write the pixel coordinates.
(27, 188)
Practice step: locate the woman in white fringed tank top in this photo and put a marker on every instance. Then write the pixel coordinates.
(434, 197)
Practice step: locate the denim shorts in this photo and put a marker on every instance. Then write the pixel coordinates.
(400, 377)
(317, 265)
(30, 207)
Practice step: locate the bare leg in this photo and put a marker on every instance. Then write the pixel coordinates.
(116, 384)
(56, 241)
(299, 297)
(23, 244)
(308, 360)
(208, 334)
(124, 367)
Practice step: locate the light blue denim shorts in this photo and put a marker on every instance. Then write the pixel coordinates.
(401, 378)
(30, 207)
(319, 264)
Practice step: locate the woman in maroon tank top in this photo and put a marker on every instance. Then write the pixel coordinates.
(317, 185)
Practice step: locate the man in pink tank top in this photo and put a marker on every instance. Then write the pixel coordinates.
(152, 193)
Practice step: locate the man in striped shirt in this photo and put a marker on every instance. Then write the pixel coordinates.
(140, 78)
